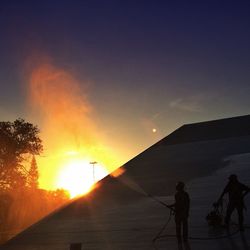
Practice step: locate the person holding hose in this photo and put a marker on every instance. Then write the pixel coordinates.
(236, 192)
(181, 210)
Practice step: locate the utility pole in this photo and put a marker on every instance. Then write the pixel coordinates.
(93, 164)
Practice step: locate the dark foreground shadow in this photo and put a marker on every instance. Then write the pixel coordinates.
(244, 242)
(239, 244)
(184, 246)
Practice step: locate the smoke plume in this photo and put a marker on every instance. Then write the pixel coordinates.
(64, 111)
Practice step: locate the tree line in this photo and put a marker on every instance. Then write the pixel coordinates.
(22, 202)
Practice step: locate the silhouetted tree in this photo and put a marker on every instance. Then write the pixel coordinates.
(24, 207)
(5, 203)
(18, 139)
(58, 196)
(19, 192)
(33, 174)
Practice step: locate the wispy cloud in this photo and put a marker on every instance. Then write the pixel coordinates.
(191, 104)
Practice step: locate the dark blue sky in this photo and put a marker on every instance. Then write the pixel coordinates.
(149, 63)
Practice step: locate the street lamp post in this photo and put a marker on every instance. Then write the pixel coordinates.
(93, 164)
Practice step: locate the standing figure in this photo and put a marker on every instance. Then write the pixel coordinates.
(181, 209)
(236, 192)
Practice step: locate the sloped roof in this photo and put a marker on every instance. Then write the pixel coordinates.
(209, 130)
(119, 214)
(190, 151)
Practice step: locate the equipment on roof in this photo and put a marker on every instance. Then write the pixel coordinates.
(215, 216)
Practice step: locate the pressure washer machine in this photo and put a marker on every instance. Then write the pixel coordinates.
(215, 216)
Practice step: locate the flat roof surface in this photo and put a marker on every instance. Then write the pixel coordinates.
(134, 225)
(119, 214)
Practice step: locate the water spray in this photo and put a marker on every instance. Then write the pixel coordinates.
(129, 182)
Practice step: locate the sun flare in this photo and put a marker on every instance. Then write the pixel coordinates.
(78, 176)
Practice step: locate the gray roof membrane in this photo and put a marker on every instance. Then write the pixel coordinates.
(120, 214)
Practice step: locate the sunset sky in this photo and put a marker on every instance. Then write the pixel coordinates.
(131, 72)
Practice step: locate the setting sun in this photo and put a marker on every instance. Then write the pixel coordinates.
(78, 176)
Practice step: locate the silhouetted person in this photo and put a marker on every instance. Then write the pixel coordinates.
(236, 192)
(181, 208)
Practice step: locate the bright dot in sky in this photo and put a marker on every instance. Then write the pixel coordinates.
(77, 177)
(154, 130)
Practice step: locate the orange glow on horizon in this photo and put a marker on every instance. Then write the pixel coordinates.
(76, 176)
